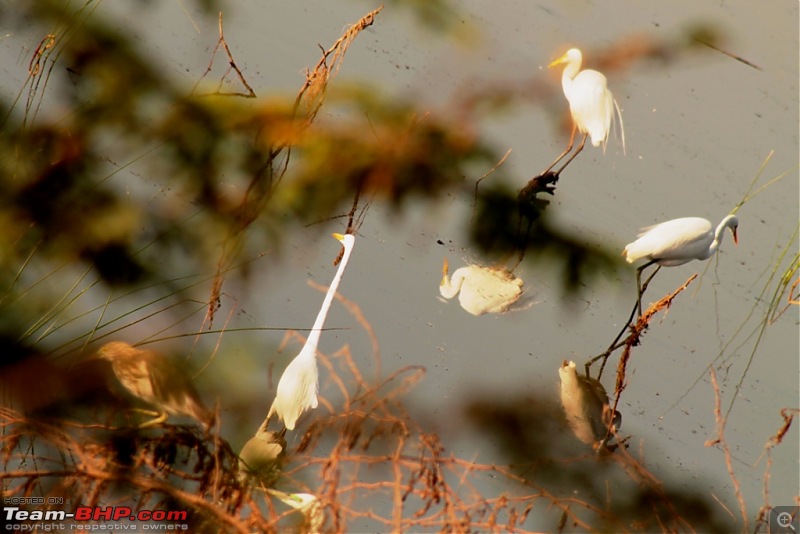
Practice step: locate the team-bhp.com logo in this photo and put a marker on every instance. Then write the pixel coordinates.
(17, 519)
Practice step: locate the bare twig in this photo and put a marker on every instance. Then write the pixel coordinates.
(257, 195)
(719, 441)
(312, 93)
(232, 66)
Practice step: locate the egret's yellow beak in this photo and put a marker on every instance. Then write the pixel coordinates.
(558, 61)
(444, 272)
(340, 237)
(735, 236)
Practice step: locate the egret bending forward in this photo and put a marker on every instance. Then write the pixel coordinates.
(591, 105)
(299, 384)
(481, 289)
(676, 242)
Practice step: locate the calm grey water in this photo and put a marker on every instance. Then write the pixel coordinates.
(697, 132)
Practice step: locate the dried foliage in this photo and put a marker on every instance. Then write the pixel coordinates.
(232, 66)
(367, 462)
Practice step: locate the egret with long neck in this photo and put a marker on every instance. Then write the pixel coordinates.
(481, 289)
(299, 384)
(676, 242)
(591, 105)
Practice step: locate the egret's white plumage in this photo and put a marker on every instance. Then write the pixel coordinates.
(298, 386)
(679, 241)
(308, 504)
(591, 104)
(481, 289)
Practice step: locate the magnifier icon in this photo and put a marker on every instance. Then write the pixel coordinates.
(784, 520)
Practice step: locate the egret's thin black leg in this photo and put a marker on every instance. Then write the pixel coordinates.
(569, 147)
(559, 158)
(614, 345)
(578, 151)
(641, 288)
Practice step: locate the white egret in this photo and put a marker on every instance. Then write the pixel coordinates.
(586, 406)
(591, 105)
(481, 289)
(156, 380)
(677, 242)
(298, 386)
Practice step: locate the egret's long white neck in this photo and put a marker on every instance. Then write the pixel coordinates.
(570, 71)
(728, 222)
(316, 330)
(451, 286)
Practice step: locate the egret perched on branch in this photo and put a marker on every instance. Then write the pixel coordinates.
(591, 105)
(298, 386)
(481, 289)
(676, 242)
(155, 380)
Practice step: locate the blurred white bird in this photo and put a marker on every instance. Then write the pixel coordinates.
(481, 289)
(677, 242)
(591, 105)
(307, 504)
(586, 406)
(298, 386)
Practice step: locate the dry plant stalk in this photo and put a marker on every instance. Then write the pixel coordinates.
(788, 415)
(719, 440)
(637, 330)
(312, 93)
(361, 455)
(231, 67)
(792, 298)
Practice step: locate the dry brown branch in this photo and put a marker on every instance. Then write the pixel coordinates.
(364, 458)
(34, 461)
(719, 441)
(792, 298)
(788, 415)
(45, 53)
(257, 195)
(638, 330)
(231, 67)
(312, 94)
(35, 64)
(416, 469)
(649, 482)
(489, 172)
